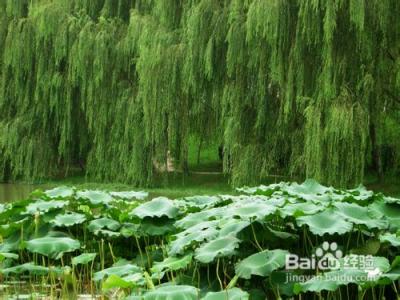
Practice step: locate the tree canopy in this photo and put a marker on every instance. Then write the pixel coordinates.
(286, 86)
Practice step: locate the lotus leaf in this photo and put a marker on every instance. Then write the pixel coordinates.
(69, 219)
(359, 215)
(26, 268)
(262, 263)
(172, 264)
(175, 292)
(103, 223)
(83, 259)
(391, 238)
(60, 192)
(44, 206)
(220, 247)
(95, 197)
(157, 207)
(326, 222)
(130, 195)
(231, 294)
(53, 247)
(118, 270)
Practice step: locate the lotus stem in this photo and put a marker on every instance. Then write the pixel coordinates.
(233, 282)
(149, 281)
(217, 272)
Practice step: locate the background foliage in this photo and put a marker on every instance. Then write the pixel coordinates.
(301, 87)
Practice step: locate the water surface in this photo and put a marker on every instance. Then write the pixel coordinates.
(15, 191)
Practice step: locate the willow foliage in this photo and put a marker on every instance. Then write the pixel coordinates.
(292, 87)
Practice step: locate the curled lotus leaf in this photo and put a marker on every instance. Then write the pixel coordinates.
(95, 197)
(172, 264)
(30, 268)
(193, 219)
(220, 247)
(310, 190)
(103, 223)
(60, 192)
(158, 207)
(176, 292)
(326, 222)
(390, 212)
(196, 234)
(231, 227)
(231, 294)
(266, 190)
(118, 270)
(41, 206)
(7, 255)
(130, 195)
(359, 215)
(83, 259)
(391, 238)
(202, 202)
(52, 247)
(300, 209)
(251, 210)
(69, 219)
(262, 263)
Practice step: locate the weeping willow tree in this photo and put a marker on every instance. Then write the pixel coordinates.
(308, 88)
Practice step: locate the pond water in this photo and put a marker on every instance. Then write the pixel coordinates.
(15, 191)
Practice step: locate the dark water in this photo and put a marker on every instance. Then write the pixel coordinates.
(15, 191)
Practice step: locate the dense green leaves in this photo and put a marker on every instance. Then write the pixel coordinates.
(236, 246)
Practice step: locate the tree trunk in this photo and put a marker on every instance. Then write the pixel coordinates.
(376, 152)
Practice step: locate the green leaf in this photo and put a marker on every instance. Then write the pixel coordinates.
(371, 247)
(202, 202)
(95, 197)
(114, 281)
(390, 212)
(359, 215)
(231, 227)
(390, 238)
(157, 207)
(44, 206)
(231, 294)
(326, 222)
(172, 264)
(193, 219)
(300, 209)
(266, 190)
(251, 210)
(6, 255)
(121, 271)
(52, 247)
(310, 190)
(60, 192)
(68, 219)
(220, 247)
(130, 195)
(83, 259)
(262, 263)
(175, 292)
(195, 234)
(103, 223)
(28, 268)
